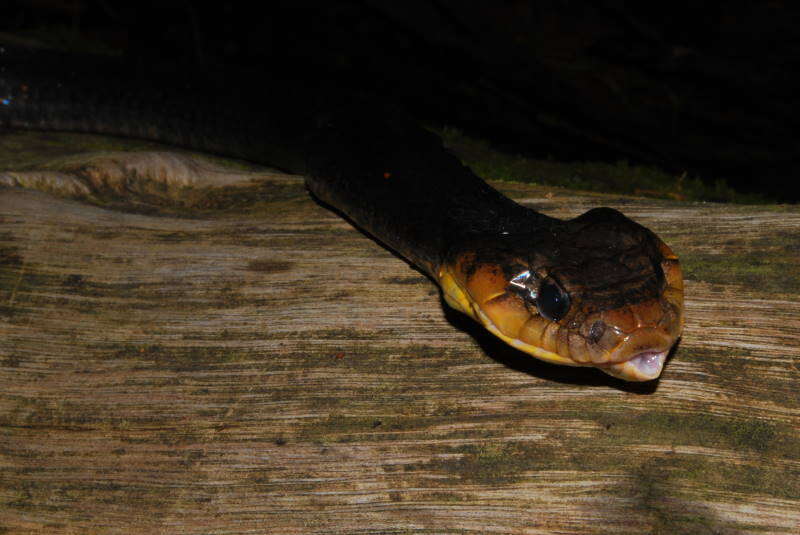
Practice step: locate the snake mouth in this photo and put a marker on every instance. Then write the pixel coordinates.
(643, 366)
(640, 356)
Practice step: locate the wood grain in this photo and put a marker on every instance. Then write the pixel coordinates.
(240, 360)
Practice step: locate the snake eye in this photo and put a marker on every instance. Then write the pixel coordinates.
(552, 301)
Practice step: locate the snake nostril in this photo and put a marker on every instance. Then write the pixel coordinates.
(597, 331)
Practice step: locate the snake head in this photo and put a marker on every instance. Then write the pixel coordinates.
(598, 290)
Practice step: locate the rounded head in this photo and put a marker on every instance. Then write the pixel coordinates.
(599, 290)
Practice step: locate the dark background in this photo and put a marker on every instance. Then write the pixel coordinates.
(707, 88)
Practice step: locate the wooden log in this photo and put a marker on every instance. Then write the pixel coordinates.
(237, 359)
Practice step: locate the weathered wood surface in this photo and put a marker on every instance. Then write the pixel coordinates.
(253, 364)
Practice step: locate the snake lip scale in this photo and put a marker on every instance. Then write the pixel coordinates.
(598, 290)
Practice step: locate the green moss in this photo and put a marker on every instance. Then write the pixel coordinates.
(444, 497)
(621, 177)
(769, 273)
(777, 241)
(22, 284)
(344, 333)
(251, 196)
(178, 358)
(12, 274)
(27, 412)
(750, 455)
(340, 428)
(700, 429)
(58, 496)
(671, 479)
(177, 236)
(405, 280)
(494, 463)
(735, 371)
(412, 361)
(269, 266)
(405, 423)
(665, 512)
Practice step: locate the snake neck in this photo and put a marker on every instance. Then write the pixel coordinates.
(396, 181)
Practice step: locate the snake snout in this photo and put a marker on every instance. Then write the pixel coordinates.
(640, 356)
(630, 342)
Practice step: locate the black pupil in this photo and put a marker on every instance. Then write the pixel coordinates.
(552, 301)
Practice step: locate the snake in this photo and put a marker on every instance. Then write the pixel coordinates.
(598, 290)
